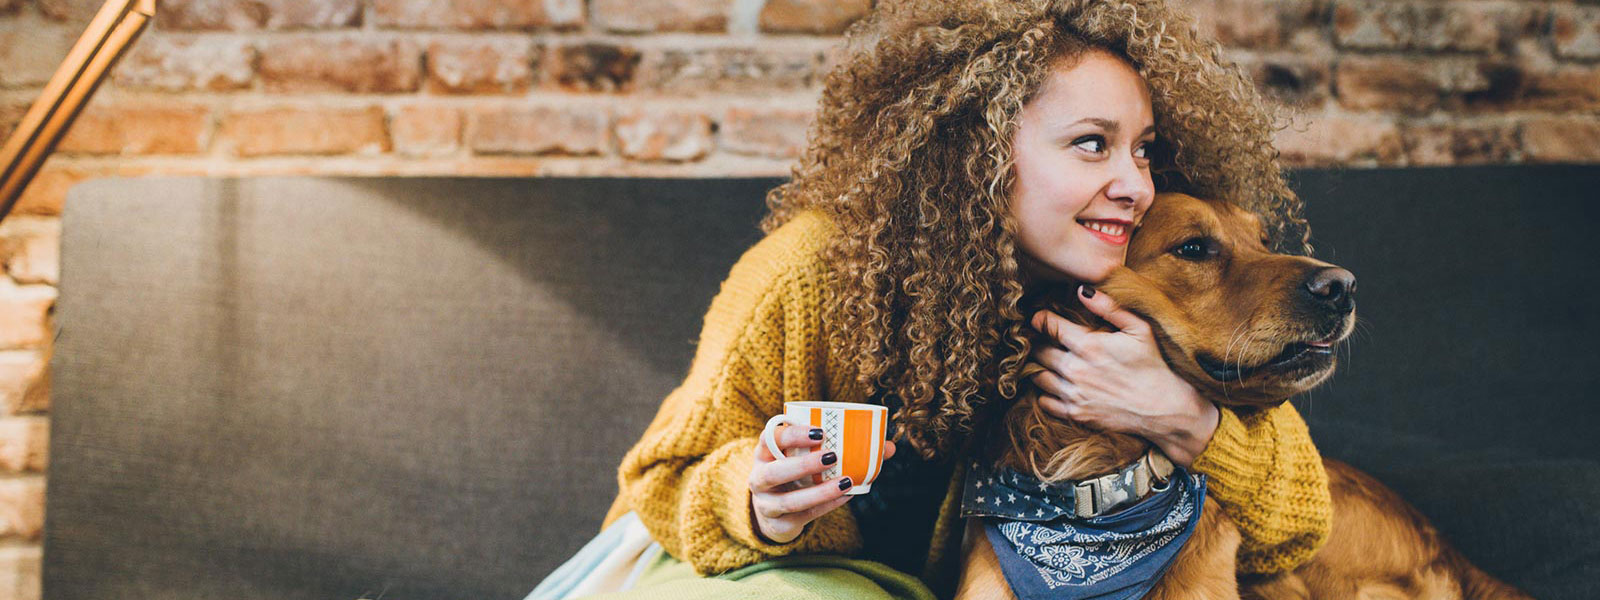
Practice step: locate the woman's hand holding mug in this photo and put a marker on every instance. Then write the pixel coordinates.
(790, 483)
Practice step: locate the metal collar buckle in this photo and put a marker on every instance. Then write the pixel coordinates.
(1124, 487)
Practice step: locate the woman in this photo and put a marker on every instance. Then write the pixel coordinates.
(964, 155)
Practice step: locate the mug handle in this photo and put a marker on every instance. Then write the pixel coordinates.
(768, 434)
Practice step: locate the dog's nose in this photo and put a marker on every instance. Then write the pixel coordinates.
(1334, 287)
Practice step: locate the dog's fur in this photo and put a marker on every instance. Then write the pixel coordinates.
(1229, 316)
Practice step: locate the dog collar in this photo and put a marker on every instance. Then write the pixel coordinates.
(1083, 499)
(1046, 552)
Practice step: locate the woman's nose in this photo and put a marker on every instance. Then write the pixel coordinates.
(1131, 184)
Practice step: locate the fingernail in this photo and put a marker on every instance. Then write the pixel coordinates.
(844, 484)
(816, 434)
(830, 458)
(1088, 291)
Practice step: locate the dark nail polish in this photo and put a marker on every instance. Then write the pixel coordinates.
(830, 458)
(1088, 291)
(816, 434)
(844, 484)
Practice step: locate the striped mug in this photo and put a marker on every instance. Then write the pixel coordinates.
(855, 432)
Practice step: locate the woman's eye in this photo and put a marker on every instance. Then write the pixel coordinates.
(1143, 151)
(1194, 249)
(1092, 143)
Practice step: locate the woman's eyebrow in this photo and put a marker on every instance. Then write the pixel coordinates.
(1106, 124)
(1111, 126)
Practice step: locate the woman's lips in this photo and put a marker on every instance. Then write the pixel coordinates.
(1112, 232)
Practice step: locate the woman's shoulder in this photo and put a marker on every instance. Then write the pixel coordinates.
(780, 273)
(794, 248)
(807, 232)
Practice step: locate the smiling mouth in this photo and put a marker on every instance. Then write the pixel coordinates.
(1293, 357)
(1112, 232)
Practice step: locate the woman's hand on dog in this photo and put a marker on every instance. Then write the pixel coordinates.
(1117, 381)
(782, 499)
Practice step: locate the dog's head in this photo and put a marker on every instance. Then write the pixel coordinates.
(1242, 324)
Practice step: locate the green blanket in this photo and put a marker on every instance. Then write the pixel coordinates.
(788, 578)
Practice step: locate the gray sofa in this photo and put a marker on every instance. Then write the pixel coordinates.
(305, 387)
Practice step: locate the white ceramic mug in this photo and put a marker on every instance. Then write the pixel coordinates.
(853, 431)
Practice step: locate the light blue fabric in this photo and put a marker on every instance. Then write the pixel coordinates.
(561, 583)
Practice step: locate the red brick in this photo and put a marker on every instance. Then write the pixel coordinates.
(74, 11)
(1568, 88)
(664, 135)
(734, 69)
(426, 130)
(245, 15)
(138, 129)
(31, 48)
(537, 130)
(480, 66)
(811, 16)
(1470, 26)
(1575, 31)
(186, 63)
(25, 314)
(1289, 79)
(644, 16)
(1319, 140)
(343, 64)
(20, 568)
(1253, 23)
(310, 130)
(1386, 84)
(778, 133)
(30, 248)
(1456, 144)
(591, 67)
(24, 444)
(24, 380)
(11, 116)
(22, 507)
(477, 14)
(1561, 140)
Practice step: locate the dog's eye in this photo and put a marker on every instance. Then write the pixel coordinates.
(1196, 249)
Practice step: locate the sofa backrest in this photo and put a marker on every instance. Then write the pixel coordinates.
(1475, 295)
(336, 387)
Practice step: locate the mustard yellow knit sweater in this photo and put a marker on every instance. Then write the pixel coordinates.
(764, 343)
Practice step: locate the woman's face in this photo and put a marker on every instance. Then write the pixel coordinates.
(1082, 169)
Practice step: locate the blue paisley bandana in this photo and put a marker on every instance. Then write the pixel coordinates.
(1047, 552)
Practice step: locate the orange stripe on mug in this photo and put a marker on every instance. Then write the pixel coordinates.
(858, 432)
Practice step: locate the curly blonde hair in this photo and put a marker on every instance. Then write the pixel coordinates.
(910, 156)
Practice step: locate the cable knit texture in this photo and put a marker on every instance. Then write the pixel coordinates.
(764, 343)
(1267, 475)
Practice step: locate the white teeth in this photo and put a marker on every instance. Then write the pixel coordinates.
(1106, 228)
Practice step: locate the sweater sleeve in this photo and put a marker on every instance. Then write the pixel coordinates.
(1265, 472)
(688, 476)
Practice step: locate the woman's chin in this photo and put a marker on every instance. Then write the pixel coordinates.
(1091, 274)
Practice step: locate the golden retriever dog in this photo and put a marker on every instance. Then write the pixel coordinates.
(1249, 329)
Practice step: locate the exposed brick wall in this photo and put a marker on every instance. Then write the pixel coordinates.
(667, 87)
